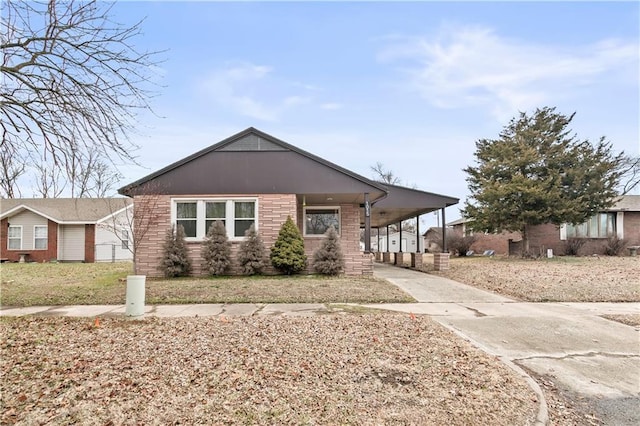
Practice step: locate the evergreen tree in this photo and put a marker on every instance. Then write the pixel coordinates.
(252, 253)
(328, 258)
(216, 250)
(538, 172)
(175, 261)
(287, 254)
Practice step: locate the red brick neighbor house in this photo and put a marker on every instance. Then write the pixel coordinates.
(252, 178)
(64, 229)
(622, 220)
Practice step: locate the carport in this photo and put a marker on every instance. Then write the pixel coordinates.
(400, 204)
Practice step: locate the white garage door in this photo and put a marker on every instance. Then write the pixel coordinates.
(72, 243)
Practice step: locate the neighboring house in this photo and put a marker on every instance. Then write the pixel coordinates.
(622, 221)
(406, 242)
(65, 229)
(252, 178)
(498, 242)
(432, 239)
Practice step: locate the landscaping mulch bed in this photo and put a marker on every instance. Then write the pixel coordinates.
(330, 369)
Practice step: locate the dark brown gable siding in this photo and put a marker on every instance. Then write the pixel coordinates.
(265, 172)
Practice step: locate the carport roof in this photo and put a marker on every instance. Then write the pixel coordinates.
(402, 203)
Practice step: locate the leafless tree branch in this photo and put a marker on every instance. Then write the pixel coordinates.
(73, 80)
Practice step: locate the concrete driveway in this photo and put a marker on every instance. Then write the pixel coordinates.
(596, 359)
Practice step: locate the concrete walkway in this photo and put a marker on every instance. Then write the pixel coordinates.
(595, 359)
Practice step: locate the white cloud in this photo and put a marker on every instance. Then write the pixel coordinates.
(255, 91)
(232, 87)
(474, 66)
(331, 106)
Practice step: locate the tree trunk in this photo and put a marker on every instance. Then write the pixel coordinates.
(525, 242)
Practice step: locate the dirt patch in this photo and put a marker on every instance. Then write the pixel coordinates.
(630, 319)
(331, 369)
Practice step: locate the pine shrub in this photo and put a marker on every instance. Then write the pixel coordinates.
(175, 261)
(287, 253)
(328, 258)
(252, 253)
(216, 250)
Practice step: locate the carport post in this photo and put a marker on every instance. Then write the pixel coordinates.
(445, 249)
(418, 234)
(367, 224)
(400, 227)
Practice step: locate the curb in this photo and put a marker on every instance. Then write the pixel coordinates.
(542, 418)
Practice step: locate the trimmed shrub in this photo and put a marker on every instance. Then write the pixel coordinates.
(573, 245)
(252, 253)
(216, 250)
(175, 261)
(287, 253)
(328, 258)
(615, 246)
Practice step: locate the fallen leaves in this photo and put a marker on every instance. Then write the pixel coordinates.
(562, 279)
(330, 369)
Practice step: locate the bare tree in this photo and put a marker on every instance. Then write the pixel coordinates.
(10, 170)
(136, 221)
(383, 175)
(49, 181)
(630, 175)
(72, 80)
(90, 176)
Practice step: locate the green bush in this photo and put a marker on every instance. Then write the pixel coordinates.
(175, 261)
(252, 253)
(216, 250)
(287, 254)
(328, 258)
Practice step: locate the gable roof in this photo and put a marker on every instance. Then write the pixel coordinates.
(253, 162)
(66, 210)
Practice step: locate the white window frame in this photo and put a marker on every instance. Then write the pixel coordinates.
(9, 237)
(230, 219)
(124, 240)
(46, 238)
(565, 232)
(304, 219)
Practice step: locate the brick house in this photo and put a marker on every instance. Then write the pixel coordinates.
(621, 220)
(252, 178)
(497, 241)
(64, 229)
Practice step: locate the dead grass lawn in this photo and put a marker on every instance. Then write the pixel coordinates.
(561, 279)
(39, 284)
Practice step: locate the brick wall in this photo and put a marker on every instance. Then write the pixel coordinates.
(355, 262)
(632, 228)
(51, 253)
(273, 210)
(497, 242)
(90, 243)
(148, 251)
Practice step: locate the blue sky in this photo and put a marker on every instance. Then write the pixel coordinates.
(412, 85)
